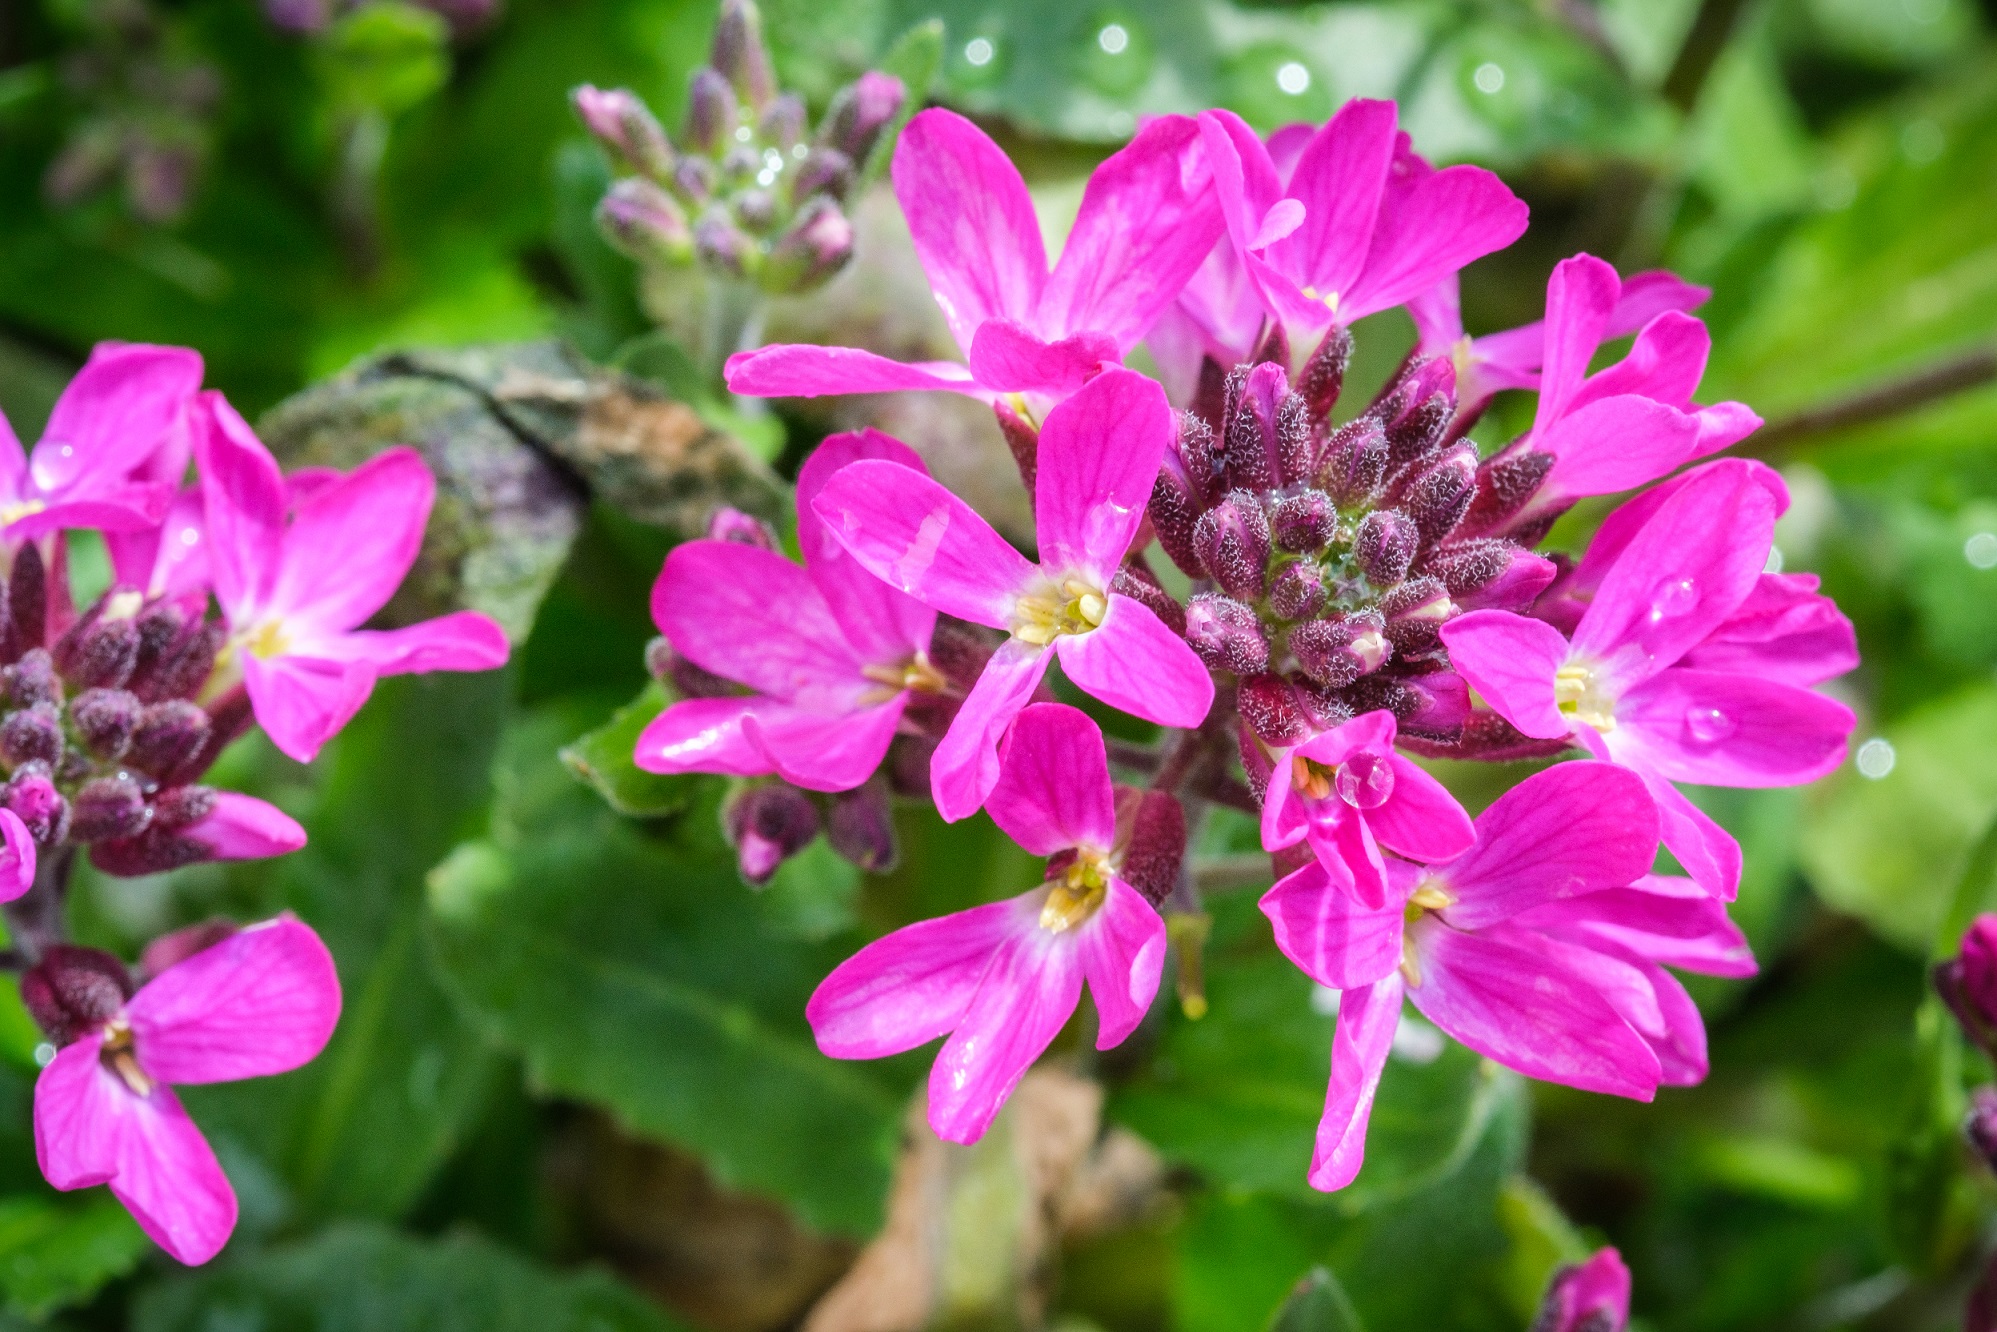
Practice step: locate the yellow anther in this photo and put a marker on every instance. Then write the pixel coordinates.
(267, 640)
(1431, 898)
(1049, 610)
(1579, 696)
(1410, 968)
(916, 673)
(1076, 895)
(117, 1055)
(15, 512)
(1313, 779)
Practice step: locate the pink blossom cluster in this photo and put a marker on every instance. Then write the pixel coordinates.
(111, 715)
(1358, 587)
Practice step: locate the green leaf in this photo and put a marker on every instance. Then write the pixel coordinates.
(1318, 1304)
(357, 1276)
(386, 57)
(603, 758)
(639, 974)
(55, 1254)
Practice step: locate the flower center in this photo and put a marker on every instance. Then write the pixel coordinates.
(19, 509)
(1078, 894)
(1043, 614)
(1429, 897)
(117, 1055)
(267, 640)
(1329, 300)
(916, 674)
(1364, 781)
(1580, 697)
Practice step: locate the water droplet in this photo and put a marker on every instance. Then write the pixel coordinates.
(1324, 1001)
(1981, 550)
(1119, 54)
(979, 51)
(1365, 781)
(1113, 38)
(44, 1054)
(1773, 564)
(1709, 726)
(1293, 78)
(1489, 77)
(1674, 600)
(1876, 757)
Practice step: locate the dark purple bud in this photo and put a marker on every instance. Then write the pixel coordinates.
(185, 669)
(27, 600)
(744, 529)
(860, 826)
(1967, 982)
(722, 245)
(823, 171)
(1489, 573)
(739, 54)
(1435, 706)
(1233, 543)
(72, 991)
(1197, 456)
(1416, 612)
(1297, 592)
(1275, 348)
(644, 222)
(626, 126)
(1304, 523)
(1227, 635)
(1420, 430)
(1354, 461)
(32, 735)
(31, 794)
(104, 720)
(756, 210)
(696, 178)
(171, 950)
(1210, 395)
(1152, 827)
(100, 652)
(740, 163)
(1440, 495)
(1296, 440)
(1136, 581)
(860, 111)
(167, 736)
(113, 806)
(161, 625)
(1337, 652)
(768, 824)
(1272, 711)
(1175, 517)
(1251, 445)
(32, 680)
(180, 807)
(1326, 708)
(1588, 1297)
(1505, 483)
(818, 244)
(783, 122)
(711, 112)
(1384, 546)
(1324, 373)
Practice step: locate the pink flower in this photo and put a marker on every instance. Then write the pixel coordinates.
(1360, 224)
(89, 469)
(262, 1001)
(1147, 220)
(1099, 455)
(832, 652)
(227, 825)
(1624, 687)
(1590, 1297)
(1003, 978)
(293, 594)
(169, 559)
(17, 856)
(1451, 939)
(1348, 793)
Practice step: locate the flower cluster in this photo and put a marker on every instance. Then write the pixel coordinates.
(1360, 584)
(111, 715)
(749, 191)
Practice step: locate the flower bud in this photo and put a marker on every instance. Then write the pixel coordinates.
(71, 991)
(1420, 430)
(185, 668)
(1022, 440)
(1270, 707)
(1136, 581)
(1354, 461)
(741, 163)
(860, 111)
(161, 625)
(1326, 708)
(743, 529)
(113, 806)
(768, 824)
(1490, 573)
(1439, 496)
(783, 122)
(31, 794)
(860, 826)
(1590, 1297)
(168, 735)
(1197, 453)
(180, 807)
(1384, 545)
(1505, 483)
(644, 222)
(32, 680)
(104, 720)
(711, 113)
(739, 55)
(99, 653)
(1226, 634)
(1296, 440)
(818, 244)
(1304, 523)
(27, 600)
(1233, 543)
(1250, 445)
(756, 210)
(1434, 707)
(32, 734)
(1275, 348)
(658, 658)
(1337, 652)
(1416, 612)
(1175, 517)
(823, 171)
(1151, 826)
(626, 126)
(720, 244)
(696, 178)
(1297, 592)
(1967, 982)
(1324, 373)
(171, 950)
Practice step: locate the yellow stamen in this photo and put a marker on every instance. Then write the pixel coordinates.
(1410, 968)
(1076, 895)
(916, 673)
(1313, 779)
(15, 512)
(118, 1056)
(267, 640)
(1578, 695)
(1049, 610)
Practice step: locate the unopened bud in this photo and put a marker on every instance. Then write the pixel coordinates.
(818, 244)
(1489, 573)
(860, 111)
(168, 735)
(739, 54)
(1505, 483)
(1250, 445)
(1440, 495)
(823, 171)
(860, 826)
(1337, 652)
(186, 667)
(105, 807)
(658, 658)
(625, 125)
(72, 991)
(180, 807)
(1419, 430)
(1233, 543)
(644, 222)
(720, 244)
(1968, 982)
(32, 680)
(32, 734)
(1198, 455)
(1384, 546)
(1270, 707)
(1416, 612)
(712, 112)
(27, 600)
(756, 210)
(161, 625)
(100, 653)
(740, 163)
(687, 679)
(769, 824)
(1296, 441)
(32, 795)
(1275, 348)
(1354, 461)
(1304, 523)
(1326, 708)
(1324, 373)
(744, 529)
(783, 122)
(1152, 826)
(1297, 592)
(696, 178)
(1226, 634)
(1136, 581)
(104, 720)
(1022, 440)
(1590, 1297)
(1435, 706)
(170, 950)
(1174, 517)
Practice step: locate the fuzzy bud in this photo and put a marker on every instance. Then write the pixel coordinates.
(1156, 824)
(860, 826)
(1589, 1297)
(644, 222)
(659, 658)
(1270, 707)
(100, 653)
(1297, 592)
(113, 806)
(860, 111)
(27, 600)
(1324, 373)
(768, 824)
(1434, 707)
(168, 734)
(1487, 573)
(756, 210)
(32, 795)
(1296, 442)
(1440, 495)
(72, 991)
(1251, 445)
(1419, 430)
(1416, 612)
(1505, 483)
(818, 244)
(1175, 517)
(1326, 708)
(186, 667)
(1226, 634)
(1384, 545)
(32, 680)
(1136, 581)
(1233, 543)
(739, 55)
(711, 112)
(170, 950)
(1337, 652)
(696, 178)
(1304, 523)
(1354, 461)
(783, 122)
(720, 244)
(104, 719)
(727, 524)
(1968, 982)
(180, 807)
(626, 126)
(161, 625)
(32, 735)
(823, 171)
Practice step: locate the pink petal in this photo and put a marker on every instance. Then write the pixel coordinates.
(460, 641)
(1575, 828)
(1007, 357)
(1615, 444)
(123, 405)
(1525, 576)
(883, 625)
(1450, 218)
(1679, 1037)
(1723, 425)
(1785, 632)
(1665, 363)
(169, 558)
(706, 735)
(1579, 298)
(1514, 997)
(1245, 179)
(1132, 662)
(1023, 1001)
(1681, 577)
(1420, 820)
(965, 766)
(918, 537)
(1627, 519)
(1649, 294)
(1331, 937)
(1098, 460)
(90, 1129)
(1053, 791)
(797, 370)
(112, 507)
(244, 509)
(302, 702)
(972, 221)
(1660, 918)
(823, 751)
(350, 545)
(1730, 730)
(1340, 179)
(1147, 220)
(1511, 661)
(1122, 953)
(1342, 840)
(1367, 1018)
(1708, 852)
(262, 1001)
(1368, 733)
(17, 856)
(910, 987)
(754, 617)
(242, 827)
